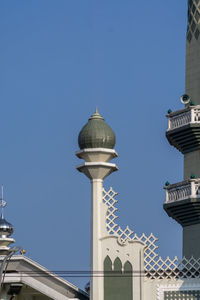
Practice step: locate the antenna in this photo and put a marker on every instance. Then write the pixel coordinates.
(3, 203)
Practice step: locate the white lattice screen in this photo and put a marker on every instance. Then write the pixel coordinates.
(154, 265)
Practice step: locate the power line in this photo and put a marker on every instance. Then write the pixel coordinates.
(84, 274)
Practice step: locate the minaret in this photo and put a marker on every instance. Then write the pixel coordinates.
(183, 198)
(6, 229)
(96, 141)
(193, 51)
(192, 82)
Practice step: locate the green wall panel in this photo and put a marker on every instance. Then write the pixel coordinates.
(117, 284)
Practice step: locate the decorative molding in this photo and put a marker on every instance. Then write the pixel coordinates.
(179, 286)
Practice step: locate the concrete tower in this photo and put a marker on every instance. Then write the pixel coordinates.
(96, 141)
(116, 253)
(183, 199)
(192, 51)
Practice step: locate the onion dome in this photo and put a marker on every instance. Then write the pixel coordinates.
(96, 134)
(6, 229)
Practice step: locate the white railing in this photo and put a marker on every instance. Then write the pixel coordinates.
(182, 190)
(183, 117)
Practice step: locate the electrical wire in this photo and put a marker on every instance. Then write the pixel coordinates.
(82, 274)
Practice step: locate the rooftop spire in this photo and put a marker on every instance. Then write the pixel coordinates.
(96, 115)
(3, 203)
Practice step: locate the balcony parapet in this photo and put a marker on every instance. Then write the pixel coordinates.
(182, 190)
(183, 117)
(184, 129)
(183, 202)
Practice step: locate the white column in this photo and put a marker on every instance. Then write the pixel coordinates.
(193, 190)
(97, 167)
(169, 123)
(192, 115)
(96, 292)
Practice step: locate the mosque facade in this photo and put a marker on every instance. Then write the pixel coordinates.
(125, 265)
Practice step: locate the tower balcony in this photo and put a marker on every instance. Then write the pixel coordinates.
(184, 129)
(183, 202)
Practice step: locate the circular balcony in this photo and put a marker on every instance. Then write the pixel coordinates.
(184, 129)
(183, 202)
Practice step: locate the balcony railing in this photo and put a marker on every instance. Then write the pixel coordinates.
(182, 190)
(183, 117)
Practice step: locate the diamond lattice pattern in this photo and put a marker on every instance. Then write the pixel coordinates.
(193, 19)
(155, 267)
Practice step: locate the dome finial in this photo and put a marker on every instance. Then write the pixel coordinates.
(3, 203)
(96, 115)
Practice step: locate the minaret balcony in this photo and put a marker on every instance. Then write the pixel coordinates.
(183, 201)
(184, 129)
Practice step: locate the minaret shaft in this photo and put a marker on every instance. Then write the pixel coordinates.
(192, 164)
(191, 233)
(96, 171)
(96, 233)
(191, 241)
(192, 78)
(192, 86)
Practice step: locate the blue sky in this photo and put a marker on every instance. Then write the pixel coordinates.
(58, 61)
